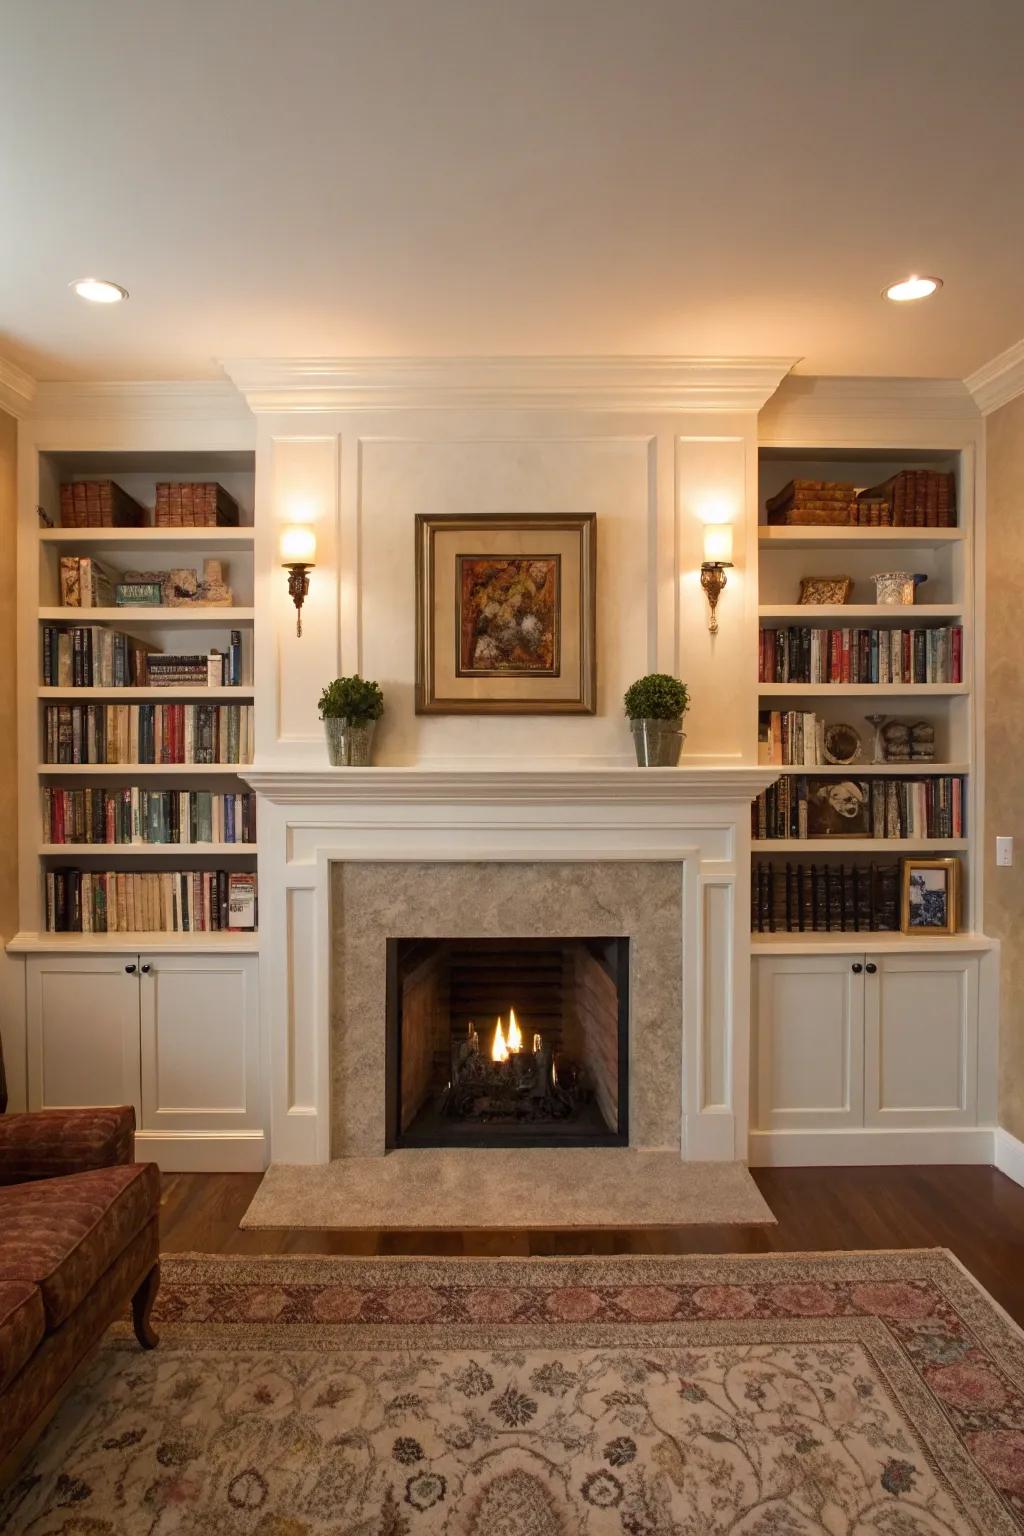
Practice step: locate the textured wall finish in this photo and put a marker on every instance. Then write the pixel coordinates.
(372, 902)
(1004, 741)
(8, 699)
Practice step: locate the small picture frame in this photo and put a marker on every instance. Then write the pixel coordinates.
(931, 896)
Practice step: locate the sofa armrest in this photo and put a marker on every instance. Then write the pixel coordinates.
(49, 1143)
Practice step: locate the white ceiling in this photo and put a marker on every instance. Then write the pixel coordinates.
(436, 177)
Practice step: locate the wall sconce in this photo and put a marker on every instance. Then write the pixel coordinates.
(717, 556)
(298, 556)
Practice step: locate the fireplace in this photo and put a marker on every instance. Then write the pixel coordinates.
(507, 1042)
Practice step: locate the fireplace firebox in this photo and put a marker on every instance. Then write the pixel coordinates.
(507, 1042)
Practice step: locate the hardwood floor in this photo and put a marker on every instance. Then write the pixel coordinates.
(978, 1213)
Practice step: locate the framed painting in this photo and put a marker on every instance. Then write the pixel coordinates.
(505, 614)
(931, 896)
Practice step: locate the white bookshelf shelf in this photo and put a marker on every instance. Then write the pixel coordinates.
(877, 943)
(913, 770)
(210, 617)
(859, 844)
(134, 770)
(861, 538)
(903, 615)
(860, 690)
(29, 941)
(170, 540)
(177, 851)
(241, 695)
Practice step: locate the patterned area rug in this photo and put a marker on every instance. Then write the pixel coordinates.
(836, 1395)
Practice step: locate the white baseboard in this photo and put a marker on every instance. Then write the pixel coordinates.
(1010, 1155)
(203, 1151)
(871, 1148)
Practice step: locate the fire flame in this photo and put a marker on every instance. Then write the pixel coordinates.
(515, 1034)
(499, 1049)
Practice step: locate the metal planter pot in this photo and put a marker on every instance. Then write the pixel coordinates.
(658, 743)
(348, 745)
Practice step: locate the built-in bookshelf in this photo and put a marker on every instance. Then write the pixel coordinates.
(156, 741)
(808, 877)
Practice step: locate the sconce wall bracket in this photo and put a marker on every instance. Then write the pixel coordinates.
(713, 579)
(298, 589)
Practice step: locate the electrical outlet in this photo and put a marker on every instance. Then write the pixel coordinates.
(1004, 850)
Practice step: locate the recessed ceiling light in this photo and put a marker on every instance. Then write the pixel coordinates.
(98, 290)
(910, 288)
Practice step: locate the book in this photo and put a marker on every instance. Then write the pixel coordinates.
(194, 504)
(241, 901)
(140, 594)
(99, 504)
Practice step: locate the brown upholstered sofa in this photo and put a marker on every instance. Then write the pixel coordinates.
(79, 1238)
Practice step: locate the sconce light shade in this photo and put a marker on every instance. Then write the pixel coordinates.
(718, 544)
(298, 556)
(298, 545)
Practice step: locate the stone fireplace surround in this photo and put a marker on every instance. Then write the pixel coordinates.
(354, 856)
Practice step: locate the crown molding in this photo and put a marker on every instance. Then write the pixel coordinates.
(314, 384)
(862, 412)
(17, 389)
(998, 381)
(147, 400)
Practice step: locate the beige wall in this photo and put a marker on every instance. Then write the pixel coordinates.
(1004, 888)
(8, 701)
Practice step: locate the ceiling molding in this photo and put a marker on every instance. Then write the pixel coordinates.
(998, 381)
(585, 383)
(855, 412)
(158, 399)
(17, 389)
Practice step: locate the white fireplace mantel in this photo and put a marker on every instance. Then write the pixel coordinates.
(695, 816)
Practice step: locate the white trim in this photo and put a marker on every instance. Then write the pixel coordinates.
(491, 786)
(870, 1148)
(1009, 1155)
(313, 384)
(203, 1151)
(862, 412)
(998, 381)
(185, 400)
(17, 389)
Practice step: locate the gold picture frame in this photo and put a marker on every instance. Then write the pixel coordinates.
(928, 904)
(506, 616)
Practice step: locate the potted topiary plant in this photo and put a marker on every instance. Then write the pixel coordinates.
(350, 708)
(655, 705)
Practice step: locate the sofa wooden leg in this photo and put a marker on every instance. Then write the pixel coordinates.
(142, 1306)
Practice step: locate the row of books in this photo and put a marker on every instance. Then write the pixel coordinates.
(918, 498)
(93, 656)
(803, 654)
(148, 733)
(912, 498)
(803, 806)
(190, 504)
(99, 504)
(825, 898)
(86, 583)
(134, 816)
(790, 738)
(174, 901)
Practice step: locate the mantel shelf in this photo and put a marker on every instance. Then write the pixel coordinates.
(492, 786)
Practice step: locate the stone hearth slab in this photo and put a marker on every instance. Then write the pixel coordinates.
(497, 1187)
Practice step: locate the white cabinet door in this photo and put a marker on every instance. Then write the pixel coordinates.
(810, 1037)
(921, 1040)
(83, 1031)
(200, 1043)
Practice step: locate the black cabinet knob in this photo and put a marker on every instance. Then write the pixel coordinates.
(856, 967)
(130, 970)
(145, 969)
(871, 967)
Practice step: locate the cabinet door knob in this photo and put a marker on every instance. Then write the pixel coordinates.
(871, 967)
(145, 969)
(130, 970)
(856, 967)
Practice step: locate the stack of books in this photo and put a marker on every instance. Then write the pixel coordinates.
(220, 669)
(90, 656)
(173, 901)
(148, 733)
(802, 807)
(99, 504)
(140, 817)
(188, 504)
(825, 898)
(802, 654)
(814, 503)
(917, 498)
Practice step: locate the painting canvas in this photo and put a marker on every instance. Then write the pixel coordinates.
(838, 808)
(508, 615)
